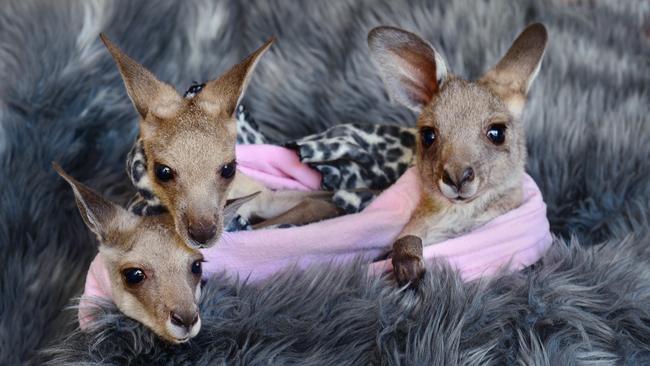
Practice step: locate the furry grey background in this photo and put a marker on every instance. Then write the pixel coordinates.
(587, 121)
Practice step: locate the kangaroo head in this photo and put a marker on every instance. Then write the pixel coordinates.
(471, 140)
(189, 142)
(155, 278)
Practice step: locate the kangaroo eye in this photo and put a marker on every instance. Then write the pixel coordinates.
(497, 133)
(197, 267)
(163, 172)
(428, 136)
(133, 276)
(228, 170)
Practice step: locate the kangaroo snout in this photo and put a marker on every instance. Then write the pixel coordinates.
(457, 179)
(184, 324)
(458, 182)
(202, 231)
(184, 319)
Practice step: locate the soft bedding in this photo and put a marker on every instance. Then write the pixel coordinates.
(509, 242)
(586, 122)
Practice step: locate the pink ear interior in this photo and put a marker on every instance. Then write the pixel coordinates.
(408, 65)
(418, 75)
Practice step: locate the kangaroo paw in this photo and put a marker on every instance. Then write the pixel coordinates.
(408, 262)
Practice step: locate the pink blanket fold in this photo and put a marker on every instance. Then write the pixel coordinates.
(509, 242)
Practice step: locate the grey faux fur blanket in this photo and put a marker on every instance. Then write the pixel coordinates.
(587, 122)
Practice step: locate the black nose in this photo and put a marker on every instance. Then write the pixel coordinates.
(201, 233)
(467, 175)
(184, 319)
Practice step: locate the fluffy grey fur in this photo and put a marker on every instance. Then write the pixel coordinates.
(61, 99)
(572, 308)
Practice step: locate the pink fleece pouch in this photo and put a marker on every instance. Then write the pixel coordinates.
(509, 242)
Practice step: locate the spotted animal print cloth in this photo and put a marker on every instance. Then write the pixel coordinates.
(356, 161)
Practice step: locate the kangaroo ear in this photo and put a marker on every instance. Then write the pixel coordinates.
(512, 77)
(99, 214)
(232, 205)
(410, 67)
(221, 96)
(148, 94)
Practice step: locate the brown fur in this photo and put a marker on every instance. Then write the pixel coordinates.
(466, 178)
(148, 243)
(407, 260)
(196, 138)
(308, 210)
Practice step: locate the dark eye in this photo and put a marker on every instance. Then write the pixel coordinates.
(197, 267)
(163, 172)
(133, 276)
(497, 133)
(228, 170)
(428, 136)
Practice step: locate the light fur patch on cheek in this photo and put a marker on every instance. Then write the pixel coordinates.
(231, 125)
(515, 105)
(148, 130)
(209, 106)
(165, 108)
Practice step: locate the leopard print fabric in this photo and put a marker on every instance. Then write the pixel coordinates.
(357, 160)
(145, 202)
(353, 156)
(248, 131)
